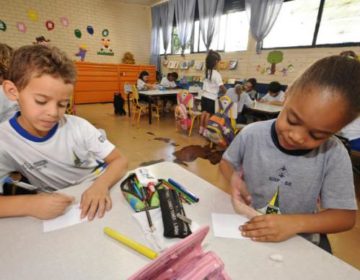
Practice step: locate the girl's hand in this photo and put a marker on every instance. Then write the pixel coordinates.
(240, 196)
(94, 200)
(239, 189)
(49, 206)
(269, 228)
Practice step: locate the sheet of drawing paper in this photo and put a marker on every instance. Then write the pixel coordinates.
(70, 218)
(227, 225)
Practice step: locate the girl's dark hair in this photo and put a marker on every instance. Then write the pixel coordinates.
(211, 60)
(143, 74)
(335, 74)
(274, 87)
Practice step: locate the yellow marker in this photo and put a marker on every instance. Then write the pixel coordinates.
(142, 249)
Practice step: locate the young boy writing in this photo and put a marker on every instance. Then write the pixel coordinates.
(285, 166)
(52, 150)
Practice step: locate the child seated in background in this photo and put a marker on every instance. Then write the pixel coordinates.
(241, 99)
(8, 108)
(170, 80)
(293, 166)
(142, 81)
(52, 150)
(249, 88)
(275, 95)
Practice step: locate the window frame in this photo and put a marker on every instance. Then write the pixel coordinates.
(315, 34)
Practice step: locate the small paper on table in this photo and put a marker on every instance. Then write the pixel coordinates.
(227, 225)
(71, 217)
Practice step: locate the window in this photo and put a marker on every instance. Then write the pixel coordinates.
(231, 36)
(297, 23)
(294, 26)
(340, 22)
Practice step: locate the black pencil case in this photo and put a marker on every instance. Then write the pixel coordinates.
(173, 214)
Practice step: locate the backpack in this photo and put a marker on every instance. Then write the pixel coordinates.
(219, 129)
(181, 110)
(118, 104)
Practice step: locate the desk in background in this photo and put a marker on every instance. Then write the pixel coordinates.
(83, 251)
(263, 111)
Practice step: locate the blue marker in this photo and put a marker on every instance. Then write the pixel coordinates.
(181, 188)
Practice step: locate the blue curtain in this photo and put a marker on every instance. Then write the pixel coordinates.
(184, 14)
(210, 12)
(166, 22)
(155, 31)
(263, 14)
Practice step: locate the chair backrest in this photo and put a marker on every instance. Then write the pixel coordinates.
(127, 88)
(135, 94)
(186, 98)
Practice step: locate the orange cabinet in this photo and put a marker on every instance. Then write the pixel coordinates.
(97, 82)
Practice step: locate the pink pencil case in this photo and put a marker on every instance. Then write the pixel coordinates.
(185, 260)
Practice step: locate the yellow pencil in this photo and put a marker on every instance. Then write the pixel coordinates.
(142, 249)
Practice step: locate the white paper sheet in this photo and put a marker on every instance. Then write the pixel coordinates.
(71, 217)
(227, 225)
(156, 239)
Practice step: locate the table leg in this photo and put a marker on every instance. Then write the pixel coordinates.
(150, 113)
(128, 103)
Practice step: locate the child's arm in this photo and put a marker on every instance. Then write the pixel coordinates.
(42, 206)
(240, 197)
(96, 198)
(281, 227)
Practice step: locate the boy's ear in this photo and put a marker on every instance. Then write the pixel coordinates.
(10, 90)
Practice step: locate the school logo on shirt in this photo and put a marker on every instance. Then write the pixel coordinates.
(281, 177)
(35, 165)
(78, 162)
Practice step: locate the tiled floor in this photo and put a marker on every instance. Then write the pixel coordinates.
(140, 146)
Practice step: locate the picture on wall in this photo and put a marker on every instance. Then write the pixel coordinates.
(233, 64)
(198, 65)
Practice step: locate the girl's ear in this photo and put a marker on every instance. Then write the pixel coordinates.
(10, 90)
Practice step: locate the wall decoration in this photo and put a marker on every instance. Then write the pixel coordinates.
(90, 30)
(21, 27)
(198, 65)
(233, 64)
(184, 65)
(2, 25)
(191, 63)
(128, 58)
(33, 15)
(274, 57)
(77, 33)
(64, 21)
(105, 49)
(105, 33)
(290, 68)
(41, 41)
(82, 52)
(173, 64)
(50, 25)
(165, 62)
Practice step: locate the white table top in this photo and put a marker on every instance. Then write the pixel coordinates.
(264, 107)
(83, 251)
(159, 92)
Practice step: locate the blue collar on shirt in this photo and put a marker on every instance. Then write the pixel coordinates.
(275, 139)
(19, 129)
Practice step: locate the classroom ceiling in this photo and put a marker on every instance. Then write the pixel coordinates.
(140, 2)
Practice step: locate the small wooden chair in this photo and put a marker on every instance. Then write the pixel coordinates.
(141, 107)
